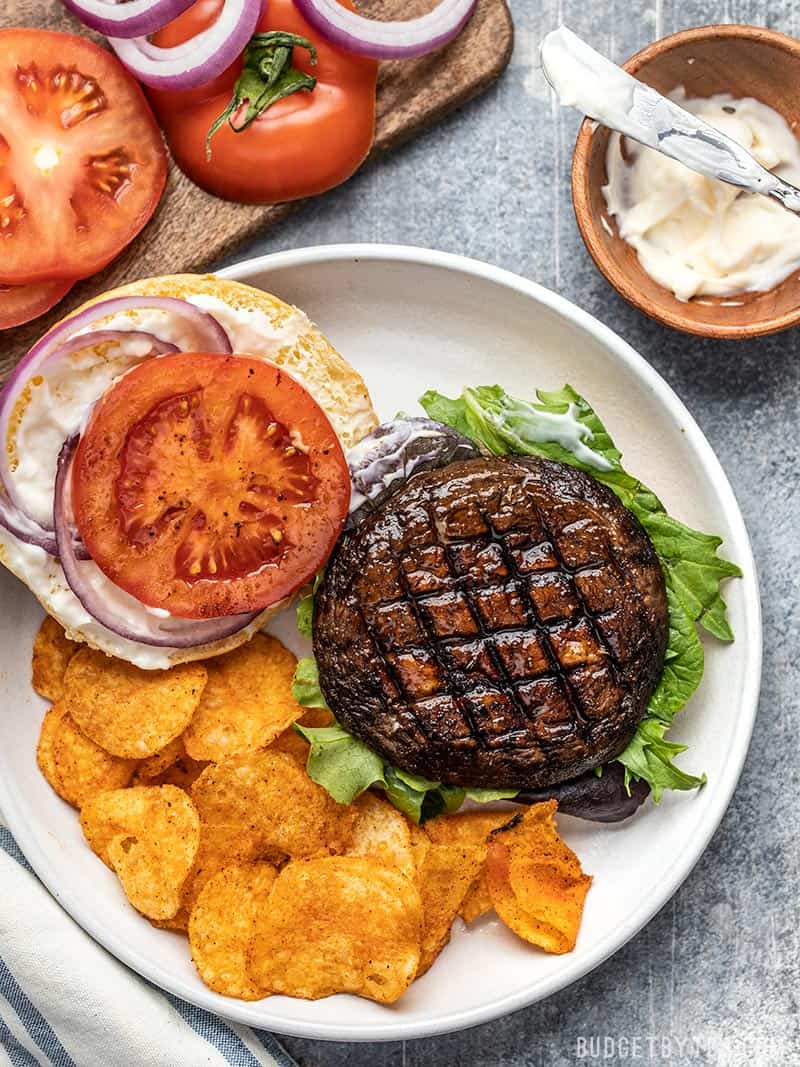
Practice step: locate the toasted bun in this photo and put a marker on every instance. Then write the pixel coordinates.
(309, 357)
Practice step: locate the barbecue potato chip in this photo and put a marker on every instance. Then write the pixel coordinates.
(477, 902)
(44, 749)
(154, 766)
(265, 800)
(338, 924)
(221, 925)
(536, 883)
(444, 879)
(261, 806)
(469, 828)
(149, 836)
(420, 843)
(52, 651)
(183, 773)
(381, 831)
(179, 922)
(74, 766)
(247, 701)
(83, 768)
(128, 711)
(220, 846)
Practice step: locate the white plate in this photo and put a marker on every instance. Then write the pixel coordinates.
(409, 320)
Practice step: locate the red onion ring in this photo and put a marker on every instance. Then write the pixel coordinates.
(209, 337)
(85, 579)
(30, 532)
(69, 348)
(197, 61)
(24, 528)
(100, 337)
(130, 19)
(387, 40)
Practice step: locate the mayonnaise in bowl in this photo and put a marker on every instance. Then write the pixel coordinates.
(697, 236)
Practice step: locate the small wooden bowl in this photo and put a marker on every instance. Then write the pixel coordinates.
(744, 61)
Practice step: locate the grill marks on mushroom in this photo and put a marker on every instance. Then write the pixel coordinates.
(497, 622)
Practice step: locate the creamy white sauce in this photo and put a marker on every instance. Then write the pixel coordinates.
(544, 427)
(567, 430)
(57, 403)
(701, 237)
(59, 406)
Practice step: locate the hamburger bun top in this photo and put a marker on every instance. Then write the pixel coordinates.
(295, 344)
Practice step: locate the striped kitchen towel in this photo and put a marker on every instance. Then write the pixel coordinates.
(66, 1002)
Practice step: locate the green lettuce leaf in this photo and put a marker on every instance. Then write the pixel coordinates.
(450, 412)
(488, 796)
(683, 663)
(339, 762)
(406, 797)
(304, 612)
(649, 756)
(693, 569)
(305, 684)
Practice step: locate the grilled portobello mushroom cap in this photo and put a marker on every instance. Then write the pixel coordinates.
(494, 623)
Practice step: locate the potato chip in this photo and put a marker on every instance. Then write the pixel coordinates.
(179, 923)
(52, 651)
(183, 773)
(74, 766)
(246, 703)
(149, 836)
(221, 926)
(477, 902)
(466, 827)
(161, 761)
(535, 880)
(221, 844)
(290, 740)
(420, 844)
(219, 848)
(469, 828)
(265, 800)
(262, 806)
(381, 831)
(83, 768)
(44, 750)
(338, 924)
(445, 878)
(127, 711)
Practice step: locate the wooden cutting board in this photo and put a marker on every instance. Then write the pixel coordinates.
(192, 229)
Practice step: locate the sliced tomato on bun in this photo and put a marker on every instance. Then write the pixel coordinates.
(209, 485)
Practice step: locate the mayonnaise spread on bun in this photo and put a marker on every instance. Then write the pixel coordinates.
(53, 409)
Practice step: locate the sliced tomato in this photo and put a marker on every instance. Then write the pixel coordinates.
(82, 162)
(22, 303)
(209, 485)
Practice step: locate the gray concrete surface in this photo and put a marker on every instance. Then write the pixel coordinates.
(715, 978)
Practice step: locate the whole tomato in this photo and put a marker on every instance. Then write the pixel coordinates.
(298, 144)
